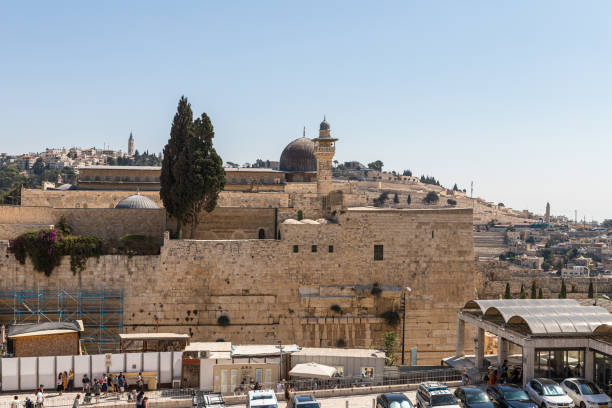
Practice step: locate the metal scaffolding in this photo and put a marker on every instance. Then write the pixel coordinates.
(100, 310)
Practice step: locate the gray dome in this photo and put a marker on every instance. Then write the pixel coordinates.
(137, 201)
(299, 156)
(324, 125)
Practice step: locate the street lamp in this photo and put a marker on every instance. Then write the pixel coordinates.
(280, 361)
(405, 290)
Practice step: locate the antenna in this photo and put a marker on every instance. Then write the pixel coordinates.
(471, 189)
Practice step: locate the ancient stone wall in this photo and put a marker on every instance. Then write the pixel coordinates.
(80, 198)
(64, 344)
(235, 223)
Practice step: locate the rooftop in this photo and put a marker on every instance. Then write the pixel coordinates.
(340, 352)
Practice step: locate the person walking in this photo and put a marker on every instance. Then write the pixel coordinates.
(139, 382)
(96, 389)
(145, 402)
(40, 398)
(139, 399)
(76, 402)
(86, 383)
(59, 384)
(104, 385)
(288, 393)
(15, 402)
(71, 380)
(121, 384)
(115, 380)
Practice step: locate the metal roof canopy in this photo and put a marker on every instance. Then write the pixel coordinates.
(543, 317)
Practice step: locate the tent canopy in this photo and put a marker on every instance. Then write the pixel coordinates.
(313, 370)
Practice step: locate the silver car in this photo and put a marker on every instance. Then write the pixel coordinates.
(585, 394)
(548, 394)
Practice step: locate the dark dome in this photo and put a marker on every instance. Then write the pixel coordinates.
(137, 201)
(299, 156)
(324, 125)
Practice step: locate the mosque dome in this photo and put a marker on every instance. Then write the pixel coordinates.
(299, 156)
(137, 201)
(324, 125)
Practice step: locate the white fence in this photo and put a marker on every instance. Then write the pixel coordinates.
(26, 373)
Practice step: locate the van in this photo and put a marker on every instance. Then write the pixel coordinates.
(262, 399)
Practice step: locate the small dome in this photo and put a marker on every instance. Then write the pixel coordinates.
(324, 125)
(299, 156)
(137, 201)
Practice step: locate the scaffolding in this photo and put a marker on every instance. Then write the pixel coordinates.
(100, 310)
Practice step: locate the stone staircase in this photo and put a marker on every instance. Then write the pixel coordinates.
(489, 244)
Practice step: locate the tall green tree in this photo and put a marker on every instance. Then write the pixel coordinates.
(39, 167)
(523, 294)
(192, 172)
(563, 292)
(540, 294)
(377, 165)
(395, 199)
(507, 294)
(533, 290)
(390, 347)
(590, 289)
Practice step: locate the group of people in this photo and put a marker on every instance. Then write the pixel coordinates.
(506, 374)
(65, 381)
(39, 399)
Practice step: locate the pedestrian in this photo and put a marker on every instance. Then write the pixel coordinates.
(115, 380)
(279, 387)
(139, 399)
(104, 386)
(40, 398)
(65, 381)
(59, 384)
(86, 383)
(29, 403)
(75, 404)
(96, 389)
(71, 380)
(465, 378)
(121, 384)
(145, 402)
(139, 382)
(288, 393)
(15, 402)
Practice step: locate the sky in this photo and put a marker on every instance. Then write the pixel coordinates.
(515, 96)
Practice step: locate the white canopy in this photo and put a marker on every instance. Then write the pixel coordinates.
(313, 370)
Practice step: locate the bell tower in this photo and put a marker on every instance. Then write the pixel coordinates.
(325, 148)
(131, 145)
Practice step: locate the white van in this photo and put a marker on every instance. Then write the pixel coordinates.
(262, 399)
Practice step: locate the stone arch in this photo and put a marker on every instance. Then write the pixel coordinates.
(261, 234)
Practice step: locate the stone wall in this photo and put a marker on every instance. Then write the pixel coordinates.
(269, 292)
(235, 223)
(79, 198)
(100, 222)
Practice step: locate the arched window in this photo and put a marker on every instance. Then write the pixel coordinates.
(262, 233)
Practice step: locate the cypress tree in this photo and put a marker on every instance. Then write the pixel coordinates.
(540, 294)
(523, 294)
(533, 290)
(563, 292)
(409, 199)
(507, 294)
(395, 199)
(192, 172)
(590, 289)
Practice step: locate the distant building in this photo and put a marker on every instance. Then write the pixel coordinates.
(131, 178)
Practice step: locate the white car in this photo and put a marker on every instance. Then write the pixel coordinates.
(548, 394)
(434, 394)
(585, 394)
(262, 399)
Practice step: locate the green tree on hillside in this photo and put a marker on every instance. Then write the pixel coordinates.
(591, 289)
(431, 198)
(523, 294)
(192, 172)
(395, 199)
(39, 167)
(563, 292)
(533, 290)
(540, 294)
(377, 165)
(507, 294)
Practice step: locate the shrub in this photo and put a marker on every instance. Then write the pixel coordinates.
(41, 247)
(450, 201)
(341, 343)
(300, 215)
(336, 308)
(223, 320)
(80, 249)
(431, 198)
(391, 317)
(376, 290)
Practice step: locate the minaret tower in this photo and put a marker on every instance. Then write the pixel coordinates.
(325, 148)
(131, 145)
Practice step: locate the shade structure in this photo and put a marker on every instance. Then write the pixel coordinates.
(313, 370)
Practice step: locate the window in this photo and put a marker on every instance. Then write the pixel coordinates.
(295, 249)
(331, 249)
(378, 252)
(314, 248)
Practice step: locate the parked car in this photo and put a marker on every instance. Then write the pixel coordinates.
(509, 396)
(435, 394)
(262, 399)
(208, 400)
(472, 397)
(393, 400)
(548, 394)
(303, 401)
(585, 394)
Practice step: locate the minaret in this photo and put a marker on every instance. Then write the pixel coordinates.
(325, 148)
(131, 145)
(547, 213)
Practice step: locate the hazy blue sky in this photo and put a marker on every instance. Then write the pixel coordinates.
(514, 95)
